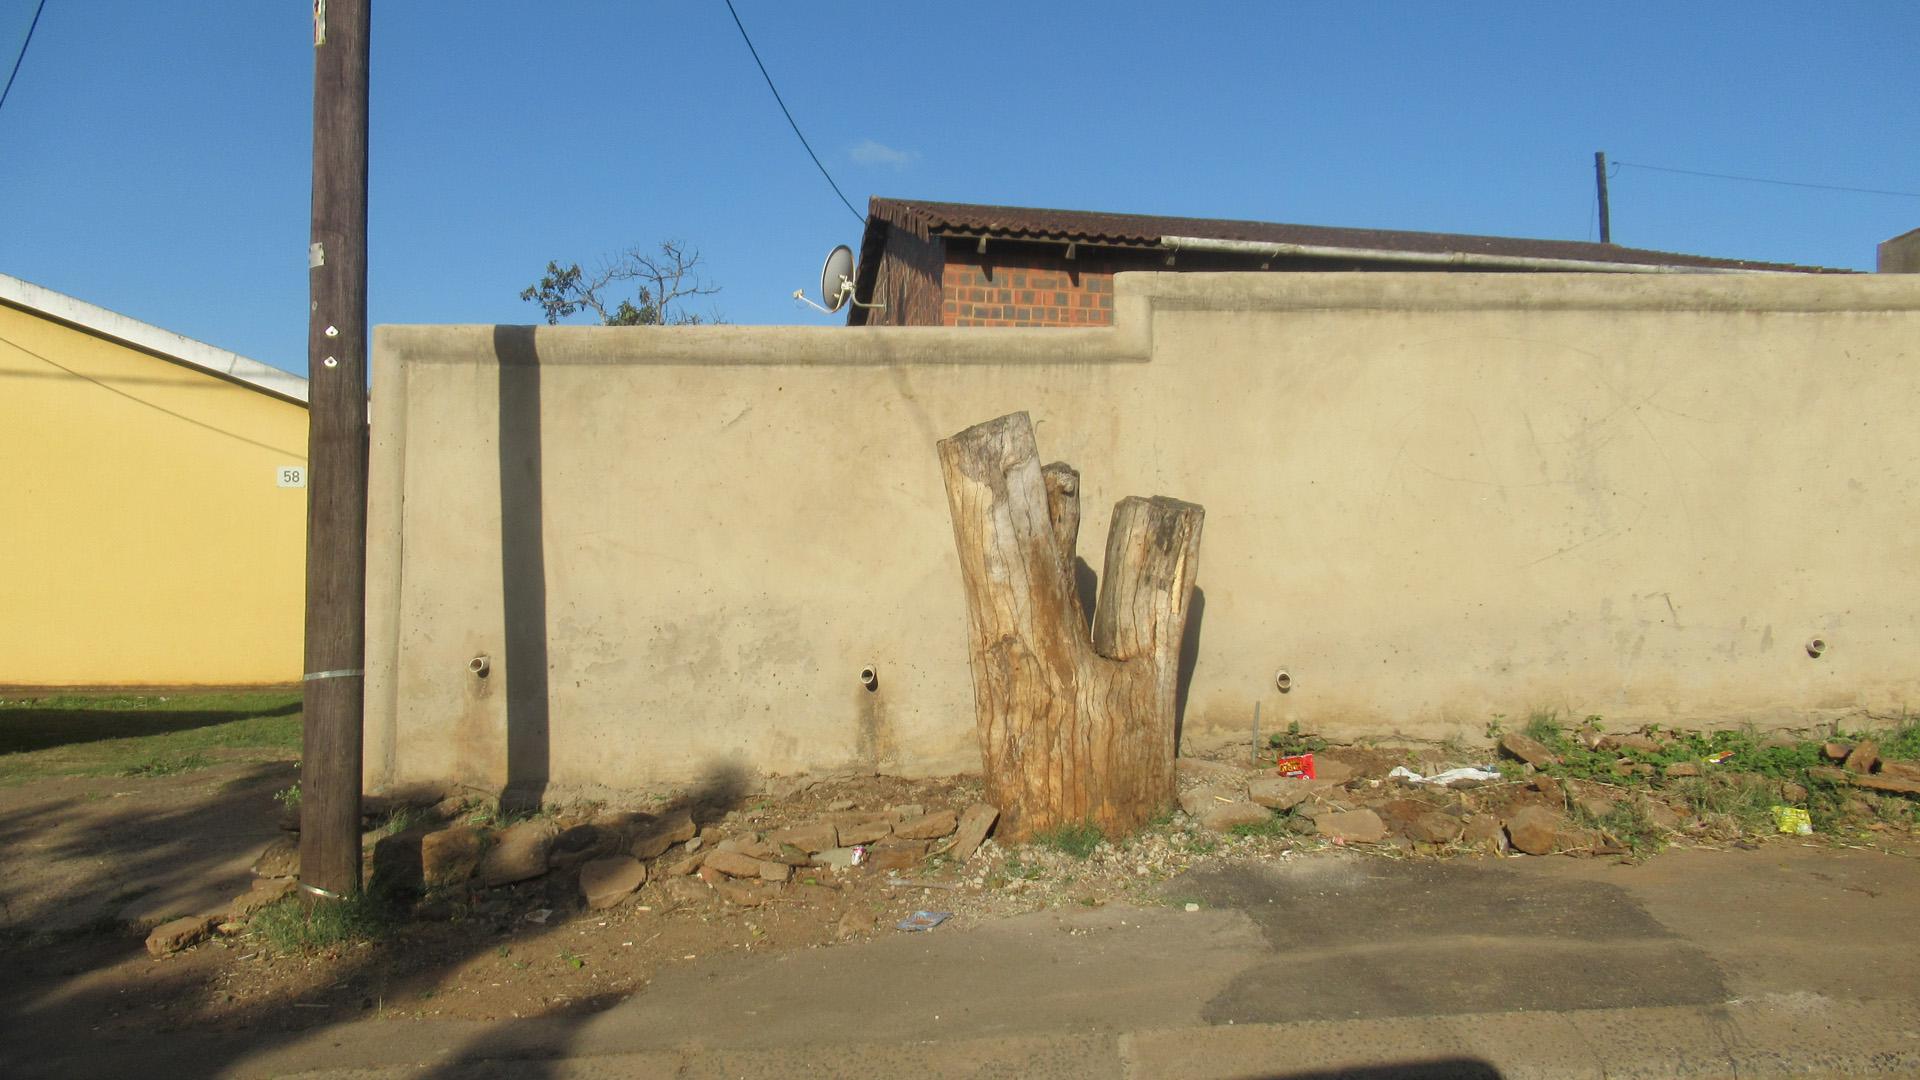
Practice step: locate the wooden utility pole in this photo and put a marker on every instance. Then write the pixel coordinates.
(1074, 728)
(1600, 177)
(336, 454)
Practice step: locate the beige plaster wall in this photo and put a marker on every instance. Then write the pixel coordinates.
(1431, 499)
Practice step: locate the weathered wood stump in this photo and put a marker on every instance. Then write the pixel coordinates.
(1072, 730)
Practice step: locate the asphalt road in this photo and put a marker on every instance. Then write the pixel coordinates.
(1790, 960)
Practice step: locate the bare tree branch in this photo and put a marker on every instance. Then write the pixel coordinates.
(665, 277)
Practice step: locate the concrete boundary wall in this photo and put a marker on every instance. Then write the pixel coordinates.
(1432, 499)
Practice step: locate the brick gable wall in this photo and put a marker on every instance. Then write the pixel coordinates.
(1026, 287)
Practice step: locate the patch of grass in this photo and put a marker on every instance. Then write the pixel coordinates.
(1545, 728)
(166, 765)
(1291, 741)
(1743, 801)
(1075, 840)
(1273, 828)
(572, 959)
(121, 735)
(1018, 870)
(405, 817)
(297, 925)
(1628, 822)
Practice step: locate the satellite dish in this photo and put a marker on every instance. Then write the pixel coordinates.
(836, 278)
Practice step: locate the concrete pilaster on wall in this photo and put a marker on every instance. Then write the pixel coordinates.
(1900, 255)
(1431, 499)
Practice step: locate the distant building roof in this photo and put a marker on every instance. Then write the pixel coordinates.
(163, 343)
(930, 219)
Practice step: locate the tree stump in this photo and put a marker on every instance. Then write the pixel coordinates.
(1071, 730)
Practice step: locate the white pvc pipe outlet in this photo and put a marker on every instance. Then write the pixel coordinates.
(480, 665)
(869, 677)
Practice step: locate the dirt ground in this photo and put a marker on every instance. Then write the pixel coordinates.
(80, 859)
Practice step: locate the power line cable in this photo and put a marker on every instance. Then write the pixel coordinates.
(23, 52)
(862, 218)
(1764, 180)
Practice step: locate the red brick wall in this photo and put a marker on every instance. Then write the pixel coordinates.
(1016, 286)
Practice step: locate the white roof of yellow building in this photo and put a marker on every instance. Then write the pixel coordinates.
(166, 343)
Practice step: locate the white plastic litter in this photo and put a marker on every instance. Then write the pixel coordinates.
(1451, 776)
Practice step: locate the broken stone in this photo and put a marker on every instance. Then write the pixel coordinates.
(1548, 786)
(581, 844)
(1222, 817)
(1531, 751)
(709, 875)
(1637, 743)
(896, 855)
(1352, 826)
(1663, 816)
(816, 837)
(265, 891)
(519, 852)
(281, 859)
(450, 808)
(748, 846)
(775, 871)
(606, 882)
(905, 811)
(450, 856)
(170, 938)
(1533, 829)
(859, 828)
(1279, 792)
(1434, 827)
(972, 830)
(1595, 807)
(792, 856)
(840, 804)
(1793, 794)
(1680, 769)
(836, 858)
(1572, 840)
(652, 838)
(927, 826)
(732, 863)
(1835, 751)
(1864, 757)
(1894, 770)
(1484, 830)
(1197, 801)
(685, 866)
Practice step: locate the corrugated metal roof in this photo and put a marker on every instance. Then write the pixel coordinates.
(927, 219)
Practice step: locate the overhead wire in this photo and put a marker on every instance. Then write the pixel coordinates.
(23, 52)
(1765, 180)
(862, 218)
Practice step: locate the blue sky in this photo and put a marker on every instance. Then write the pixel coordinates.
(154, 158)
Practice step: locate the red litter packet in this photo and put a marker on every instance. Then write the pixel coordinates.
(1296, 767)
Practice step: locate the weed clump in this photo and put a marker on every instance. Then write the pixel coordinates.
(298, 925)
(1075, 840)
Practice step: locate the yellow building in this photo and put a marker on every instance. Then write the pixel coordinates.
(152, 503)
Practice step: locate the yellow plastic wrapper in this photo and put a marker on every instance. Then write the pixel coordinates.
(1793, 821)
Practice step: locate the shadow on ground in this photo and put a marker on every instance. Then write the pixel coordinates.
(82, 999)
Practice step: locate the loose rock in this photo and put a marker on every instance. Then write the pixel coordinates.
(265, 891)
(450, 856)
(1533, 829)
(606, 882)
(170, 938)
(733, 864)
(1679, 769)
(928, 826)
(1279, 792)
(1352, 826)
(1434, 827)
(972, 830)
(1197, 801)
(519, 852)
(1223, 817)
(1531, 751)
(1863, 758)
(809, 838)
(652, 838)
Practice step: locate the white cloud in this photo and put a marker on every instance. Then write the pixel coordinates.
(870, 152)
